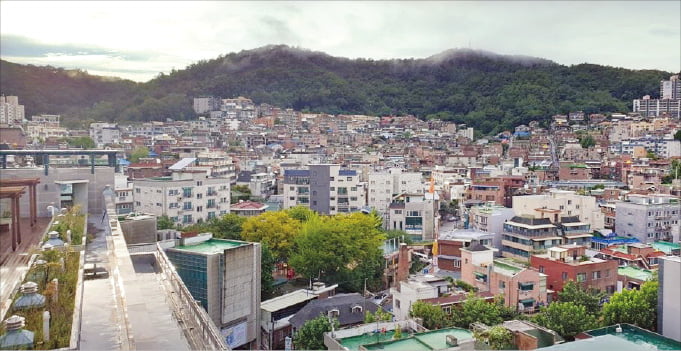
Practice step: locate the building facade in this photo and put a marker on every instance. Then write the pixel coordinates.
(324, 188)
(186, 197)
(649, 217)
(567, 203)
(668, 308)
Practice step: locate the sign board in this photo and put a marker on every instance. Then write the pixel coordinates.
(235, 336)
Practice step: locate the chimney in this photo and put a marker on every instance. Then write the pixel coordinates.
(403, 263)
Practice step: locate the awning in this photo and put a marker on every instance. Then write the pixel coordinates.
(527, 301)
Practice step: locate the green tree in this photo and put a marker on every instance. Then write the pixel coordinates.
(83, 142)
(475, 309)
(677, 135)
(343, 249)
(139, 152)
(266, 268)
(497, 337)
(301, 213)
(227, 227)
(398, 332)
(638, 307)
(311, 335)
(587, 141)
(566, 318)
(164, 222)
(369, 317)
(276, 229)
(433, 316)
(400, 235)
(575, 293)
(240, 192)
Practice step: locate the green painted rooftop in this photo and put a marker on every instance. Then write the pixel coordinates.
(644, 339)
(636, 273)
(211, 246)
(506, 266)
(666, 247)
(431, 340)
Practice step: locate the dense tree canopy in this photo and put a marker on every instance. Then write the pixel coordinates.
(311, 335)
(276, 229)
(575, 293)
(487, 91)
(566, 318)
(345, 249)
(638, 307)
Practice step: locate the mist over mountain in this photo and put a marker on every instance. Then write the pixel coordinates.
(488, 91)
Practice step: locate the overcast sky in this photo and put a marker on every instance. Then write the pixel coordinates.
(137, 40)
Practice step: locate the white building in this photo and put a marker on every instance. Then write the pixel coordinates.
(490, 218)
(206, 104)
(186, 197)
(383, 186)
(105, 133)
(648, 107)
(662, 147)
(668, 307)
(567, 202)
(325, 188)
(416, 214)
(10, 111)
(124, 194)
(670, 89)
(417, 287)
(649, 217)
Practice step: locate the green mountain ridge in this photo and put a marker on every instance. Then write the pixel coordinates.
(488, 91)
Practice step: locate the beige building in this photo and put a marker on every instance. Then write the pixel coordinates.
(568, 203)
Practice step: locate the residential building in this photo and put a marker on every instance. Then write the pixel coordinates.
(567, 203)
(524, 236)
(668, 307)
(224, 277)
(260, 184)
(105, 134)
(523, 289)
(649, 217)
(325, 188)
(489, 218)
(275, 314)
(416, 214)
(416, 288)
(11, 112)
(248, 208)
(449, 247)
(206, 104)
(570, 262)
(648, 107)
(499, 190)
(670, 89)
(661, 146)
(383, 186)
(124, 194)
(186, 197)
(633, 255)
(348, 309)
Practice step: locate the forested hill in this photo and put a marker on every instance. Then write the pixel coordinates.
(488, 91)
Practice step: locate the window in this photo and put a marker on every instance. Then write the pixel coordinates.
(349, 179)
(187, 206)
(607, 273)
(354, 188)
(596, 275)
(564, 276)
(356, 309)
(137, 190)
(526, 286)
(187, 219)
(137, 203)
(397, 303)
(333, 313)
(211, 215)
(159, 204)
(541, 269)
(447, 309)
(332, 179)
(581, 277)
(398, 212)
(502, 284)
(199, 183)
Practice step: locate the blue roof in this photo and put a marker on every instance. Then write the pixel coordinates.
(347, 172)
(615, 241)
(297, 172)
(123, 162)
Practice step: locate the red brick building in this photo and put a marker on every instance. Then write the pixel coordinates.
(498, 189)
(569, 262)
(449, 255)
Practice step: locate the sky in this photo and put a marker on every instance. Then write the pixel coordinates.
(138, 40)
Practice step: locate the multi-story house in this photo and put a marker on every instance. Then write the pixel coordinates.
(522, 288)
(416, 214)
(489, 218)
(11, 112)
(569, 262)
(186, 197)
(124, 194)
(324, 188)
(449, 247)
(499, 190)
(649, 217)
(383, 186)
(524, 236)
(105, 134)
(566, 203)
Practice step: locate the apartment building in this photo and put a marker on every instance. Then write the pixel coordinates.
(416, 288)
(524, 236)
(186, 197)
(649, 217)
(11, 112)
(124, 194)
(566, 203)
(105, 134)
(416, 214)
(569, 262)
(325, 188)
(648, 107)
(499, 190)
(522, 288)
(383, 186)
(660, 146)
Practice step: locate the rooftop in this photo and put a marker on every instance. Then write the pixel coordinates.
(634, 335)
(431, 340)
(635, 272)
(666, 247)
(211, 246)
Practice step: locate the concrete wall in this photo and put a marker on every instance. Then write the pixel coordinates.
(241, 289)
(139, 230)
(668, 309)
(48, 191)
